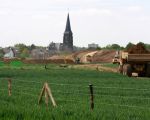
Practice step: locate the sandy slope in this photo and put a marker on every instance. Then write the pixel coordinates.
(103, 56)
(88, 56)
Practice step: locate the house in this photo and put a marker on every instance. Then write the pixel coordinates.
(55, 47)
(92, 46)
(39, 53)
(9, 53)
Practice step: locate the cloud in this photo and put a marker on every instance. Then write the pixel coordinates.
(134, 8)
(107, 21)
(93, 12)
(145, 18)
(5, 11)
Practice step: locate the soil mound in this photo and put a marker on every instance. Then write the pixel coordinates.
(62, 59)
(46, 61)
(138, 49)
(104, 56)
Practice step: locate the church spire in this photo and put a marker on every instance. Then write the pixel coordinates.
(68, 26)
(68, 37)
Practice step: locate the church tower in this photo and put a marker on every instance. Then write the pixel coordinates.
(68, 38)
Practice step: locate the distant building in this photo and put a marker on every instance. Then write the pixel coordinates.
(67, 44)
(55, 46)
(68, 38)
(93, 46)
(10, 52)
(39, 53)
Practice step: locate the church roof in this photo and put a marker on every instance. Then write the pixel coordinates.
(68, 26)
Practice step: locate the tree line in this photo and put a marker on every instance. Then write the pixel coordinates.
(25, 51)
(118, 47)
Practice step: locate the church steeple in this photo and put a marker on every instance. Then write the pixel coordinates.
(68, 38)
(68, 26)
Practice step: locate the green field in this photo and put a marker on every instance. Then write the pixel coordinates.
(116, 97)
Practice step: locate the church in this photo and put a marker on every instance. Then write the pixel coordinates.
(67, 44)
(68, 37)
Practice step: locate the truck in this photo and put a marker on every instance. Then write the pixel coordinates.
(133, 63)
(116, 58)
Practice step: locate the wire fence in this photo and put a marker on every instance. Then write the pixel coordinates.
(23, 90)
(75, 101)
(77, 91)
(3, 89)
(77, 85)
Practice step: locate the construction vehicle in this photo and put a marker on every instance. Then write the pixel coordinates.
(134, 61)
(116, 58)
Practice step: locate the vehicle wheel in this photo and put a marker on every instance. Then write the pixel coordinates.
(148, 70)
(124, 71)
(127, 70)
(120, 69)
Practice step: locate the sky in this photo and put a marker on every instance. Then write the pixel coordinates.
(102, 22)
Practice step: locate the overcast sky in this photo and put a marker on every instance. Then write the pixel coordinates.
(92, 21)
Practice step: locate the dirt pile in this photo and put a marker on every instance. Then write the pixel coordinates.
(104, 56)
(54, 59)
(138, 49)
(46, 61)
(7, 60)
(61, 59)
(35, 61)
(79, 54)
(91, 56)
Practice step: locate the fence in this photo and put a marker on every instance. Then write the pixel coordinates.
(84, 94)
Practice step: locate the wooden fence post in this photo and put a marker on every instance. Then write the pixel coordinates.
(50, 94)
(97, 68)
(41, 94)
(9, 86)
(91, 97)
(46, 98)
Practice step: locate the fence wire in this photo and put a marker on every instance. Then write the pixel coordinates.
(77, 85)
(78, 92)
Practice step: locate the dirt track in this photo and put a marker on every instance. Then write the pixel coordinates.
(88, 56)
(97, 67)
(102, 56)
(83, 59)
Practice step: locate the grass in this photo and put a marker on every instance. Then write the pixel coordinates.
(110, 65)
(116, 97)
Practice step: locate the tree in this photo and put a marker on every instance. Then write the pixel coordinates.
(129, 45)
(32, 47)
(23, 50)
(114, 47)
(108, 46)
(142, 44)
(98, 48)
(21, 47)
(1, 53)
(147, 46)
(25, 53)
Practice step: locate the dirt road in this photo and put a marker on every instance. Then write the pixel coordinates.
(84, 59)
(98, 67)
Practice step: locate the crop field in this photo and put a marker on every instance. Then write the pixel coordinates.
(116, 97)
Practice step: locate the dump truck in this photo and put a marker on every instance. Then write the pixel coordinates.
(116, 58)
(134, 61)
